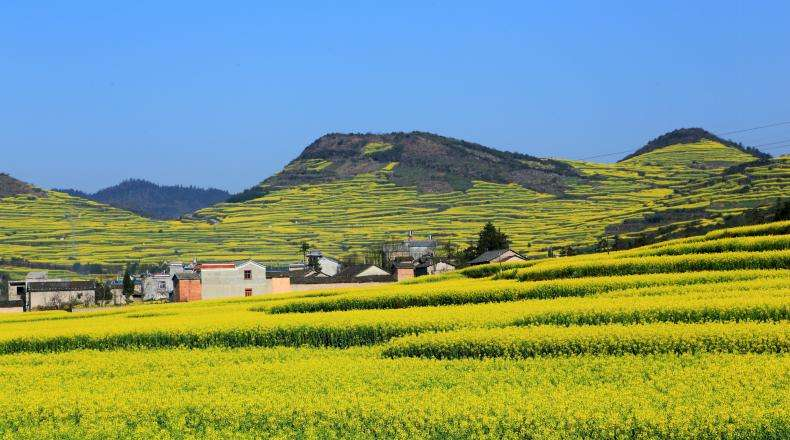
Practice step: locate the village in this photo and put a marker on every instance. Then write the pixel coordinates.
(203, 280)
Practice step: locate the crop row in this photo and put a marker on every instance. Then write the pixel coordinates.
(308, 393)
(238, 327)
(778, 259)
(597, 340)
(480, 291)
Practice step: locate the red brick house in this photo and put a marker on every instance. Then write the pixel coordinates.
(186, 287)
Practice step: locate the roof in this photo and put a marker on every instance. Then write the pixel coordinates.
(356, 269)
(228, 265)
(186, 276)
(60, 286)
(487, 257)
(404, 264)
(42, 275)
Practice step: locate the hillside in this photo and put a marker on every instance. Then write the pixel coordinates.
(683, 136)
(154, 201)
(12, 187)
(675, 190)
(687, 339)
(428, 162)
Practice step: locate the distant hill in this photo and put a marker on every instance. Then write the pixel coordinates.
(154, 201)
(689, 136)
(346, 194)
(426, 161)
(12, 187)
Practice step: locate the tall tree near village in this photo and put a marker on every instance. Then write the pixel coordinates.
(304, 247)
(492, 238)
(489, 238)
(128, 285)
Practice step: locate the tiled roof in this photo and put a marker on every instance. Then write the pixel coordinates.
(487, 257)
(60, 286)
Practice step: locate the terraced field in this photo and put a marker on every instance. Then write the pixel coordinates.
(693, 345)
(681, 185)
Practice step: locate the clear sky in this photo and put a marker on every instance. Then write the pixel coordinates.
(224, 93)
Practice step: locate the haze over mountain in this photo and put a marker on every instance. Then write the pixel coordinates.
(154, 201)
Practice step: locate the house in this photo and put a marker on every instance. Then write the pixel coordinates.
(409, 248)
(186, 287)
(38, 291)
(56, 294)
(16, 289)
(329, 266)
(159, 286)
(403, 270)
(357, 275)
(497, 256)
(223, 280)
(431, 266)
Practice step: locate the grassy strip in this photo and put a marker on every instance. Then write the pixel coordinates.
(596, 340)
(779, 259)
(471, 292)
(735, 244)
(368, 327)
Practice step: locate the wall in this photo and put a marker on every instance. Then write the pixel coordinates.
(224, 283)
(48, 299)
(188, 290)
(281, 285)
(327, 286)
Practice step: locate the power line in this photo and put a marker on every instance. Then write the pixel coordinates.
(720, 134)
(756, 128)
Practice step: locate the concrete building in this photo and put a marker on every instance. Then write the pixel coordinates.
(497, 256)
(187, 287)
(403, 270)
(224, 280)
(329, 266)
(159, 286)
(57, 294)
(410, 248)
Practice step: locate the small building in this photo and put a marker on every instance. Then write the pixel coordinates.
(186, 287)
(224, 280)
(410, 248)
(430, 265)
(157, 286)
(497, 256)
(57, 294)
(329, 266)
(403, 270)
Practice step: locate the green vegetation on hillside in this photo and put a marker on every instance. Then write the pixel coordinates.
(676, 190)
(652, 354)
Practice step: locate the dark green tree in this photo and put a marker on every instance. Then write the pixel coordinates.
(491, 238)
(128, 284)
(304, 247)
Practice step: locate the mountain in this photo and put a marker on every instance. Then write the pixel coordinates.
(426, 161)
(685, 136)
(154, 201)
(345, 196)
(10, 186)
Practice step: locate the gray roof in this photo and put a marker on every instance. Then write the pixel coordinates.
(487, 257)
(60, 286)
(186, 276)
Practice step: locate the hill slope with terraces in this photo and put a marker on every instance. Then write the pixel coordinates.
(667, 191)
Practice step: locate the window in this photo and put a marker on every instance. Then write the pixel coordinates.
(247, 292)
(247, 274)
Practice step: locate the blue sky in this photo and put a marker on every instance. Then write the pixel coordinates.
(225, 93)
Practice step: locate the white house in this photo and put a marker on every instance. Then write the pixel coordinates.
(329, 266)
(223, 280)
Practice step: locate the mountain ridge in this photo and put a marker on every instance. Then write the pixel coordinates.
(429, 162)
(154, 201)
(691, 135)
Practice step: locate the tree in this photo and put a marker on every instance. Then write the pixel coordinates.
(128, 285)
(602, 245)
(304, 247)
(490, 239)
